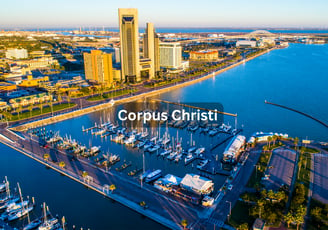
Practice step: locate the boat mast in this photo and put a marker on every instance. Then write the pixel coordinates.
(21, 197)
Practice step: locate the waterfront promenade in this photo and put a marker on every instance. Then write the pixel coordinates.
(89, 107)
(165, 209)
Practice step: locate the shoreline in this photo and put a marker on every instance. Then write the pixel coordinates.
(94, 108)
(94, 186)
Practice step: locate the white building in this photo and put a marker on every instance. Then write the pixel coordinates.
(197, 184)
(117, 55)
(16, 53)
(170, 55)
(246, 43)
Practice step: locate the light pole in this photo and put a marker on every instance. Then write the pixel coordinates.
(229, 209)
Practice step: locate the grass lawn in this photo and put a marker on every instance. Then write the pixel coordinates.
(322, 222)
(36, 111)
(110, 95)
(162, 83)
(308, 150)
(240, 214)
(262, 164)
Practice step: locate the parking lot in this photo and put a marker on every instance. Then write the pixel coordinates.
(280, 169)
(320, 179)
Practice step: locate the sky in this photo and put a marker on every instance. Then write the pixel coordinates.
(165, 13)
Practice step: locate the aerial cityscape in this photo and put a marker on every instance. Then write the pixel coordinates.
(179, 117)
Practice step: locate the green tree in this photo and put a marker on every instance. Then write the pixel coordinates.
(274, 138)
(46, 156)
(289, 218)
(41, 106)
(245, 196)
(184, 223)
(272, 217)
(299, 216)
(243, 226)
(296, 140)
(85, 174)
(62, 164)
(112, 187)
(30, 108)
(316, 212)
(269, 141)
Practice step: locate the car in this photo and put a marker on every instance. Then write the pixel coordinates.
(230, 187)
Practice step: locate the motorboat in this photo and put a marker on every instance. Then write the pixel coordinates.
(153, 175)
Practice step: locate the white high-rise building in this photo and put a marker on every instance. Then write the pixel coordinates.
(170, 55)
(16, 53)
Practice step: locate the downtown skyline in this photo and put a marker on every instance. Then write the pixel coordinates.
(215, 14)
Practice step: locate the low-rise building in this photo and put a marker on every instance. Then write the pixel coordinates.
(33, 82)
(6, 86)
(16, 53)
(246, 44)
(197, 184)
(30, 99)
(204, 55)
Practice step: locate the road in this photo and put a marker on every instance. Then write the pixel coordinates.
(222, 209)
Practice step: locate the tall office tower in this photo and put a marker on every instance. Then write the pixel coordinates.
(170, 55)
(151, 49)
(157, 54)
(98, 67)
(129, 39)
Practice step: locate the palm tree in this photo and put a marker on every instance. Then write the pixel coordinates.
(69, 100)
(274, 138)
(112, 187)
(46, 156)
(19, 110)
(84, 174)
(269, 141)
(41, 106)
(184, 223)
(260, 204)
(316, 212)
(265, 148)
(30, 108)
(299, 217)
(62, 164)
(289, 218)
(296, 140)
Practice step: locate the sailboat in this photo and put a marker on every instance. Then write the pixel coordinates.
(49, 224)
(24, 210)
(8, 199)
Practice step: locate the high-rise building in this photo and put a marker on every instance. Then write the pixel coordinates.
(98, 67)
(129, 39)
(170, 55)
(151, 49)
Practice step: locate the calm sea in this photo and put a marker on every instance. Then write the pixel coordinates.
(296, 76)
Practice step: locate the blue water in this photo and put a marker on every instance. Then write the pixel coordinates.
(296, 76)
(192, 30)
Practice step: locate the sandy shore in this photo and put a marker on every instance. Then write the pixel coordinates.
(76, 113)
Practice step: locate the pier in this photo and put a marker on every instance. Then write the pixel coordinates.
(296, 111)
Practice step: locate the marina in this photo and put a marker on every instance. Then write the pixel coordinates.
(15, 210)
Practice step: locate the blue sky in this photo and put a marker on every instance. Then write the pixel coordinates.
(165, 13)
